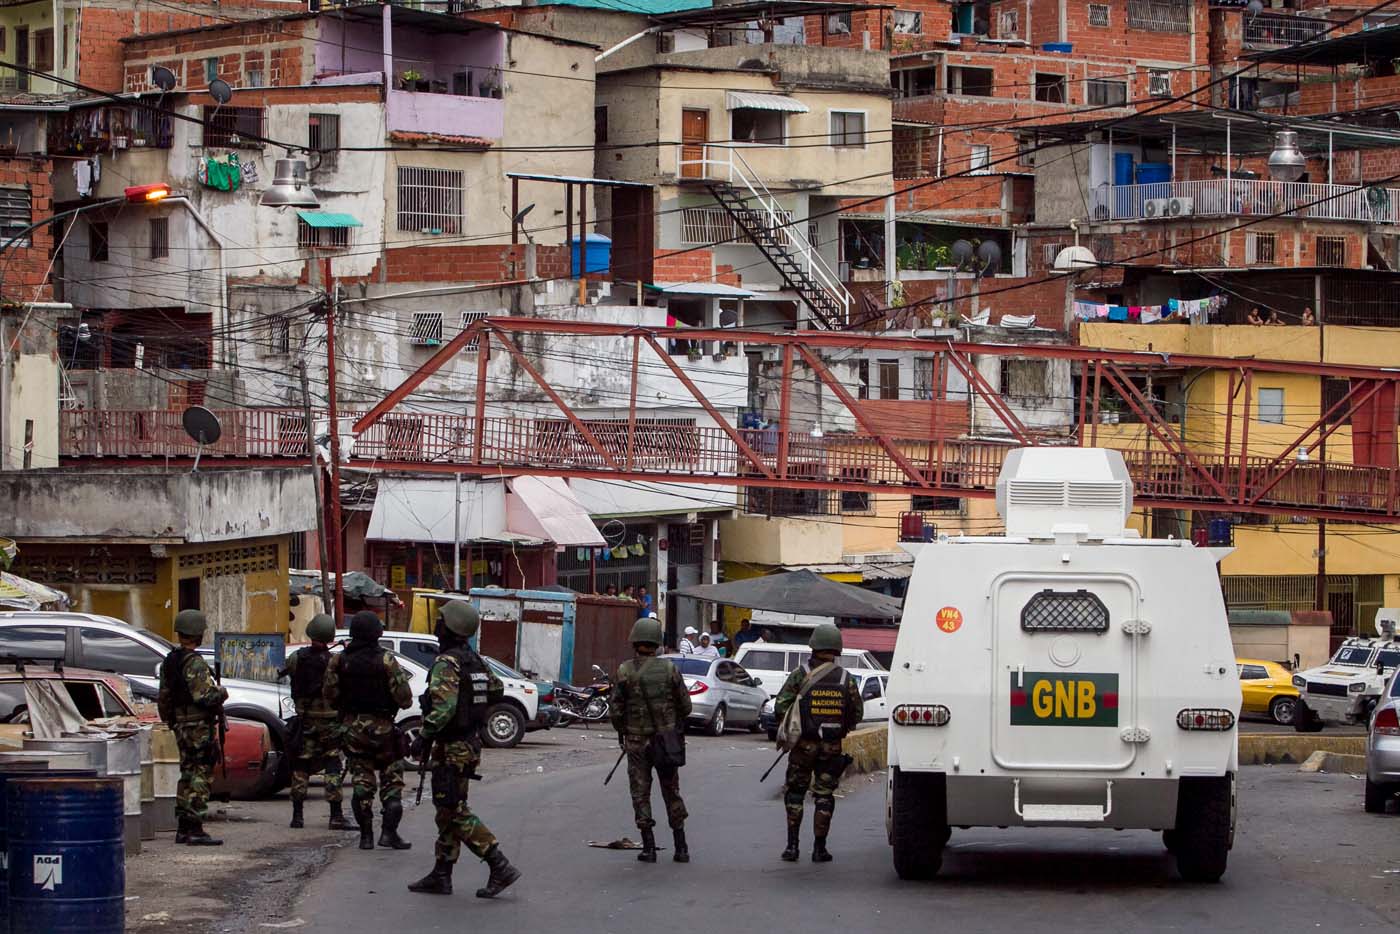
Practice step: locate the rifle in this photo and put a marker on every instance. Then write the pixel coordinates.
(223, 723)
(620, 756)
(773, 766)
(422, 770)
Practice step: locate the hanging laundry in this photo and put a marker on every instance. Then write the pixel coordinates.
(82, 175)
(222, 173)
(1118, 312)
(96, 169)
(1135, 313)
(1151, 314)
(250, 172)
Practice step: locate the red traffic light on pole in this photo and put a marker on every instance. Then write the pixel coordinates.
(147, 194)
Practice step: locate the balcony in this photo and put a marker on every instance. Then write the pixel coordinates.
(1274, 30)
(1220, 197)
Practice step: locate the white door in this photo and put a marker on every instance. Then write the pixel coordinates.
(873, 693)
(1064, 672)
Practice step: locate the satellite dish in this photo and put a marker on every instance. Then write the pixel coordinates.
(1255, 7)
(203, 426)
(1074, 258)
(988, 257)
(163, 78)
(520, 217)
(961, 253)
(220, 90)
(729, 318)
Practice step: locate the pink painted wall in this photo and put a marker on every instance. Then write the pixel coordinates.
(421, 112)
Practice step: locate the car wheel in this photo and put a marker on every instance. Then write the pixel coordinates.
(918, 824)
(1376, 797)
(411, 728)
(505, 727)
(716, 725)
(1203, 831)
(1283, 709)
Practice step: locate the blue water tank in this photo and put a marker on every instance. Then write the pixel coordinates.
(1122, 168)
(13, 770)
(1218, 531)
(599, 254)
(67, 855)
(1150, 173)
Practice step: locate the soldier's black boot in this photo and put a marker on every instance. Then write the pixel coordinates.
(437, 882)
(648, 854)
(503, 874)
(791, 854)
(682, 854)
(197, 837)
(296, 823)
(363, 809)
(182, 831)
(820, 854)
(389, 835)
(337, 821)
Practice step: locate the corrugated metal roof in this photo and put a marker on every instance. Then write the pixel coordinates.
(328, 219)
(714, 289)
(753, 100)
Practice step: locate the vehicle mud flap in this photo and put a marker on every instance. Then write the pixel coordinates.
(918, 823)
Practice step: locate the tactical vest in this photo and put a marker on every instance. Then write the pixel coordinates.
(823, 707)
(364, 682)
(309, 674)
(172, 677)
(473, 693)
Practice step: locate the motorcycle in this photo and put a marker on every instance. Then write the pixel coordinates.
(588, 704)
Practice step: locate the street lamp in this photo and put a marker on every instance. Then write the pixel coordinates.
(1286, 163)
(290, 186)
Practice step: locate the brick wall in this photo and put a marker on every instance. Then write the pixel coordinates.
(24, 269)
(468, 263)
(683, 266)
(279, 49)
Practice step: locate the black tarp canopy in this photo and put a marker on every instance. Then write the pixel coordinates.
(800, 592)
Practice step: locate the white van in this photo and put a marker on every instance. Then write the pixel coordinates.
(1068, 674)
(772, 662)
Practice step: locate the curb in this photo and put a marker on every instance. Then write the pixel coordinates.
(1321, 761)
(1271, 748)
(868, 748)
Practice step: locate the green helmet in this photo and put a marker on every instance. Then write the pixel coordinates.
(460, 618)
(825, 638)
(191, 623)
(647, 629)
(321, 628)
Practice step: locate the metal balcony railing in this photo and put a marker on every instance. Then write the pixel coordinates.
(1246, 197)
(1268, 30)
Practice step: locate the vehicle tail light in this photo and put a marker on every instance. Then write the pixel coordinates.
(547, 697)
(697, 687)
(1205, 718)
(1388, 722)
(922, 715)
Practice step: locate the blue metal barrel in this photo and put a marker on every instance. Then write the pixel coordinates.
(8, 772)
(67, 869)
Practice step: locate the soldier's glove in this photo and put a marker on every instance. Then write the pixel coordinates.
(621, 741)
(417, 747)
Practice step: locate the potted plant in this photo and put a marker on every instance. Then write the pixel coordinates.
(694, 354)
(409, 79)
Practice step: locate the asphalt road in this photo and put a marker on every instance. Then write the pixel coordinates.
(1306, 858)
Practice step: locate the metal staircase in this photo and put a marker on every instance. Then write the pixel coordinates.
(742, 194)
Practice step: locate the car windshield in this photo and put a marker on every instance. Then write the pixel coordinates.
(1352, 655)
(505, 671)
(1388, 658)
(763, 660)
(691, 666)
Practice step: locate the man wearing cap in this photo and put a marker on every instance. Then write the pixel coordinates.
(191, 702)
(817, 706)
(687, 646)
(318, 727)
(367, 688)
(461, 690)
(650, 698)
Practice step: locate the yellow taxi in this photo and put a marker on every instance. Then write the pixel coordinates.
(1268, 689)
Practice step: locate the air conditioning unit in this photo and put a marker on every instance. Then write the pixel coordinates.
(1155, 207)
(1176, 207)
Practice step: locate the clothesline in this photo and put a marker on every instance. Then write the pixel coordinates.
(1176, 310)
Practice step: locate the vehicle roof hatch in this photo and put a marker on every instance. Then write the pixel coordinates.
(1075, 493)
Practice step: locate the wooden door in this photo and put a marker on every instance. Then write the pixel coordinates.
(695, 132)
(22, 55)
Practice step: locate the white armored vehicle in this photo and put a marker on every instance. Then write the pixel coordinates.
(1347, 688)
(1069, 674)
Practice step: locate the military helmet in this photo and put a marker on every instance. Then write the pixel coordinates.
(825, 638)
(460, 618)
(366, 626)
(191, 623)
(646, 629)
(321, 628)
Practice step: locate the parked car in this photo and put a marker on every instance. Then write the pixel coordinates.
(772, 662)
(872, 690)
(1383, 750)
(508, 722)
(1268, 689)
(250, 763)
(722, 693)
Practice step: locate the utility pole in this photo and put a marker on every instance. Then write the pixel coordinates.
(457, 532)
(1320, 595)
(331, 413)
(318, 486)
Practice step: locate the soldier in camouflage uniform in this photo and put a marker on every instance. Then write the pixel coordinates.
(461, 689)
(191, 702)
(368, 688)
(817, 706)
(318, 726)
(649, 696)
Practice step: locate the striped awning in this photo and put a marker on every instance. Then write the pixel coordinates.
(753, 100)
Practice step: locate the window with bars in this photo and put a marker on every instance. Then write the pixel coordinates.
(323, 133)
(923, 378)
(234, 127)
(1099, 92)
(430, 200)
(838, 24)
(427, 329)
(1048, 252)
(847, 128)
(862, 379)
(1160, 15)
(1159, 83)
(1331, 251)
(322, 238)
(1064, 611)
(1098, 14)
(160, 237)
(908, 22)
(468, 319)
(1260, 248)
(97, 241)
(919, 503)
(855, 501)
(275, 335)
(16, 213)
(715, 225)
(1334, 390)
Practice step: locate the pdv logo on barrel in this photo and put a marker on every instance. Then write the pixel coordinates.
(48, 871)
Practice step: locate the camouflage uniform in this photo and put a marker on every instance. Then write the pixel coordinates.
(649, 697)
(456, 751)
(369, 739)
(809, 757)
(192, 711)
(320, 740)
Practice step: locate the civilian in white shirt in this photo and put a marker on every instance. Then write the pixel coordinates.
(687, 646)
(706, 648)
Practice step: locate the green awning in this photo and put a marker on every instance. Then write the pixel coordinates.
(328, 219)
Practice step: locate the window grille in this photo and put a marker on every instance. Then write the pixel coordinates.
(1159, 83)
(468, 319)
(323, 133)
(1260, 249)
(1064, 611)
(160, 237)
(855, 501)
(1160, 15)
(430, 200)
(1048, 252)
(234, 127)
(839, 24)
(427, 329)
(714, 225)
(1331, 251)
(16, 213)
(1098, 14)
(322, 238)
